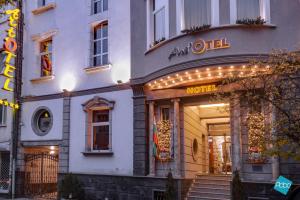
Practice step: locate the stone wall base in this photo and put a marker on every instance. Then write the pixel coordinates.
(99, 187)
(264, 191)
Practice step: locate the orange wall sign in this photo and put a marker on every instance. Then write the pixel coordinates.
(201, 89)
(10, 48)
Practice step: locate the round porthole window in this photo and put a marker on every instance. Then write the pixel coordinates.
(42, 121)
(195, 148)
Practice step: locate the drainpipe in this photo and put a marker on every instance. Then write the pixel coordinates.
(17, 99)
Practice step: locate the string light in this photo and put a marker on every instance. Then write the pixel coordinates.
(244, 66)
(190, 77)
(197, 71)
(177, 75)
(169, 77)
(219, 68)
(207, 69)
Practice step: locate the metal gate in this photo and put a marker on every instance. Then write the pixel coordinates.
(41, 176)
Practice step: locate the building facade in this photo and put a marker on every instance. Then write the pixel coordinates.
(119, 94)
(77, 103)
(181, 50)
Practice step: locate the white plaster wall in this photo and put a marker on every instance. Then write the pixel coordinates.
(71, 44)
(28, 109)
(122, 137)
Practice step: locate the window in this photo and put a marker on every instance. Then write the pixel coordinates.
(2, 60)
(100, 129)
(99, 6)
(159, 23)
(100, 45)
(41, 3)
(248, 9)
(46, 58)
(42, 121)
(196, 13)
(165, 113)
(3, 111)
(99, 125)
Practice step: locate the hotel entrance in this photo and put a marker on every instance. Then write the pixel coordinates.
(207, 139)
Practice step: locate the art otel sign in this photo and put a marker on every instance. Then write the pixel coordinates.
(10, 47)
(200, 46)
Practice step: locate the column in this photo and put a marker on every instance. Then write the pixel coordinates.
(151, 122)
(140, 148)
(235, 123)
(177, 143)
(65, 144)
(275, 159)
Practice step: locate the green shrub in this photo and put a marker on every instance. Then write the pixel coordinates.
(170, 187)
(237, 187)
(71, 188)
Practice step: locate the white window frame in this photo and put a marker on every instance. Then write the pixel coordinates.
(101, 54)
(4, 115)
(44, 53)
(102, 6)
(96, 124)
(264, 11)
(150, 21)
(215, 14)
(41, 3)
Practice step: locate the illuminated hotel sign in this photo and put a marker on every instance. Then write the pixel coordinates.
(200, 46)
(201, 89)
(10, 48)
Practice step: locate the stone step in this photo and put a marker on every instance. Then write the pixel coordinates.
(209, 195)
(205, 198)
(211, 181)
(214, 189)
(214, 177)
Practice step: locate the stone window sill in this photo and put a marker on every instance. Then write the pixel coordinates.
(95, 153)
(225, 26)
(42, 79)
(43, 9)
(3, 126)
(95, 69)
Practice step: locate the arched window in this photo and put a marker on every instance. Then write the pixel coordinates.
(99, 126)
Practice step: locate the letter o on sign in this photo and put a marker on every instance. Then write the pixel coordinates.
(10, 44)
(199, 46)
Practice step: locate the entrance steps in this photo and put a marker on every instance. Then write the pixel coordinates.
(210, 187)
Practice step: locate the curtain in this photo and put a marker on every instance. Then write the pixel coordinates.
(248, 9)
(197, 12)
(159, 22)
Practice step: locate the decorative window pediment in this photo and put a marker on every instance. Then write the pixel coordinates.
(96, 103)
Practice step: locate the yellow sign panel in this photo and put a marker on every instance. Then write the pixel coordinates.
(10, 104)
(201, 89)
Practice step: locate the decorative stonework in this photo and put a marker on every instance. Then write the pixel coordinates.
(98, 102)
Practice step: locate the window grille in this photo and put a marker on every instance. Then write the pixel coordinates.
(4, 171)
